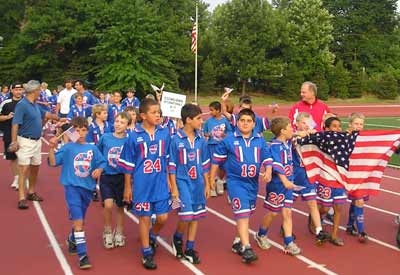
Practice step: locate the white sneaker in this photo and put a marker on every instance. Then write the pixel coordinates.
(108, 239)
(119, 239)
(262, 241)
(14, 184)
(213, 193)
(292, 249)
(219, 186)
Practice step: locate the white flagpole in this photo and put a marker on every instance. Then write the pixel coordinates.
(195, 58)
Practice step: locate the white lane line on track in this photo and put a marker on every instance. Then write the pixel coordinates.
(390, 192)
(309, 262)
(53, 241)
(344, 229)
(192, 268)
(390, 177)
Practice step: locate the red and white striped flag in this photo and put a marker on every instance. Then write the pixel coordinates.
(356, 160)
(194, 38)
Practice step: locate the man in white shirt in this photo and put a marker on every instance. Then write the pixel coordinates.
(64, 98)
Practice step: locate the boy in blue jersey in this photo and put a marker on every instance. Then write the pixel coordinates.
(112, 181)
(78, 109)
(143, 160)
(262, 123)
(279, 196)
(304, 125)
(215, 129)
(188, 169)
(99, 125)
(131, 100)
(115, 108)
(82, 164)
(243, 153)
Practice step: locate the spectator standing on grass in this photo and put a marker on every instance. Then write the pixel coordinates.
(7, 108)
(26, 132)
(64, 99)
(309, 103)
(88, 98)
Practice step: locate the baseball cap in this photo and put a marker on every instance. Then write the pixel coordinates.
(17, 85)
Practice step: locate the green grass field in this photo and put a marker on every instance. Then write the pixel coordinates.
(383, 123)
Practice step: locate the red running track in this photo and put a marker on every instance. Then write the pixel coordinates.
(27, 249)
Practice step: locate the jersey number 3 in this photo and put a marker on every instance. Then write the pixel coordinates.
(149, 166)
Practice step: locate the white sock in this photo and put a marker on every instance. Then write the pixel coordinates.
(317, 230)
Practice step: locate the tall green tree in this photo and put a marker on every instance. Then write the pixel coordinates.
(245, 33)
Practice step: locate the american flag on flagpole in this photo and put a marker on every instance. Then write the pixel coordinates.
(194, 38)
(355, 160)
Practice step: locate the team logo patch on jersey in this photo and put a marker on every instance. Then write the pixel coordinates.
(153, 149)
(139, 139)
(218, 132)
(181, 145)
(236, 142)
(192, 156)
(113, 156)
(82, 164)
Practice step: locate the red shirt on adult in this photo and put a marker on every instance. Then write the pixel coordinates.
(309, 104)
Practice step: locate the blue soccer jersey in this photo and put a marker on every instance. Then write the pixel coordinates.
(95, 132)
(262, 124)
(76, 111)
(78, 162)
(242, 157)
(169, 123)
(113, 110)
(134, 102)
(145, 157)
(189, 161)
(282, 160)
(217, 129)
(111, 147)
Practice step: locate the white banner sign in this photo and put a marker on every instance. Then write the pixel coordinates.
(171, 104)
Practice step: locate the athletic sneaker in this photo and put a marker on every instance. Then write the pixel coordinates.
(153, 244)
(322, 237)
(237, 246)
(262, 241)
(292, 249)
(177, 248)
(219, 184)
(71, 247)
(84, 262)
(248, 255)
(351, 230)
(363, 237)
(192, 256)
(14, 184)
(108, 239)
(119, 239)
(213, 193)
(148, 262)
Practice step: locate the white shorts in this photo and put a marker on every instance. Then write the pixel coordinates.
(29, 152)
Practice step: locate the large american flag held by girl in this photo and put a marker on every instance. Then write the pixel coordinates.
(356, 160)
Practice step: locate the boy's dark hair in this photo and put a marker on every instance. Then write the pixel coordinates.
(80, 122)
(81, 83)
(215, 105)
(278, 124)
(189, 111)
(245, 99)
(329, 121)
(146, 103)
(124, 115)
(129, 108)
(114, 92)
(246, 112)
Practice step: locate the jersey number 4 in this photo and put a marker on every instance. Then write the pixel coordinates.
(149, 166)
(192, 172)
(249, 171)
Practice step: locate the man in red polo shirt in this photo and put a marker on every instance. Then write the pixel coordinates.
(310, 104)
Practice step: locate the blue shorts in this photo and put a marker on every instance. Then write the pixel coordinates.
(278, 197)
(112, 187)
(150, 208)
(78, 200)
(328, 196)
(243, 201)
(308, 193)
(192, 212)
